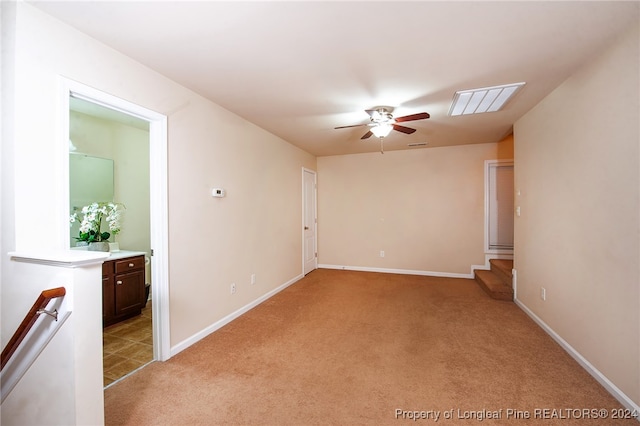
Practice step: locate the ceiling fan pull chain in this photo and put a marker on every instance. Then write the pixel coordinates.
(381, 145)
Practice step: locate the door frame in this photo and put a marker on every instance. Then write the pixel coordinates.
(158, 216)
(315, 215)
(488, 164)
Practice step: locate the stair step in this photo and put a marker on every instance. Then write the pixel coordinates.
(503, 268)
(494, 285)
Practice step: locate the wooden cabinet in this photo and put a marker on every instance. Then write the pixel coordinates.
(123, 292)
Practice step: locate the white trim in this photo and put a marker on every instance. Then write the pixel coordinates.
(593, 371)
(61, 210)
(397, 271)
(232, 316)
(471, 274)
(158, 195)
(487, 165)
(158, 216)
(315, 216)
(64, 258)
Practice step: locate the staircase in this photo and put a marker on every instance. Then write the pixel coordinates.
(497, 282)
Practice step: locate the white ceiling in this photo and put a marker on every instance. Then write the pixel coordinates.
(298, 69)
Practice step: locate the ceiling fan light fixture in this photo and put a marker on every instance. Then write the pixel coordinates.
(487, 99)
(381, 130)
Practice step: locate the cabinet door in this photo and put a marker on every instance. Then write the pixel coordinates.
(129, 292)
(108, 299)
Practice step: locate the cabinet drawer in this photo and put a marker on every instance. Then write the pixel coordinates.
(129, 264)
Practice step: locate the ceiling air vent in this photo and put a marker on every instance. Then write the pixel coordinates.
(411, 145)
(486, 99)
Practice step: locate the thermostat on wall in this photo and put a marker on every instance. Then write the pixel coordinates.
(217, 192)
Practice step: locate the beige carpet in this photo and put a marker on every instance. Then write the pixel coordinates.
(352, 348)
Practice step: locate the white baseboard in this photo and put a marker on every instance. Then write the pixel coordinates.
(226, 320)
(397, 271)
(601, 378)
(471, 274)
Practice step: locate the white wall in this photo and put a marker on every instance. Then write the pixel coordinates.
(256, 229)
(63, 386)
(424, 208)
(577, 169)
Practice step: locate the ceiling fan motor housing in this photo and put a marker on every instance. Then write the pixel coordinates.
(382, 115)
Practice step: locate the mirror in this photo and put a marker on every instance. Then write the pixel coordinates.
(90, 180)
(109, 146)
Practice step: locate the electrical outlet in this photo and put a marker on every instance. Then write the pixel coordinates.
(381, 253)
(543, 293)
(233, 288)
(253, 279)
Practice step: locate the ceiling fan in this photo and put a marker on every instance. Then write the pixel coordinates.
(382, 122)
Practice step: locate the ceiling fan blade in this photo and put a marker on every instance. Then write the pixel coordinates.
(412, 117)
(354, 125)
(407, 130)
(367, 135)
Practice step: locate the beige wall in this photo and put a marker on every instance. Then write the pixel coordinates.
(577, 165)
(577, 170)
(256, 229)
(424, 208)
(214, 242)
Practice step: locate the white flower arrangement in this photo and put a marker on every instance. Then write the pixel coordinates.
(91, 224)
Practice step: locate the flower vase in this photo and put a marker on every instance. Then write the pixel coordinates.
(114, 247)
(99, 246)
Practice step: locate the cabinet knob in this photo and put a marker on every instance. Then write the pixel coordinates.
(119, 282)
(131, 265)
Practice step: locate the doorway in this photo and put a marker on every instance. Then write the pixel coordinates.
(157, 177)
(499, 206)
(309, 220)
(109, 163)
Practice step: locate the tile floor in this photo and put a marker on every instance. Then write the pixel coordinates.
(127, 346)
